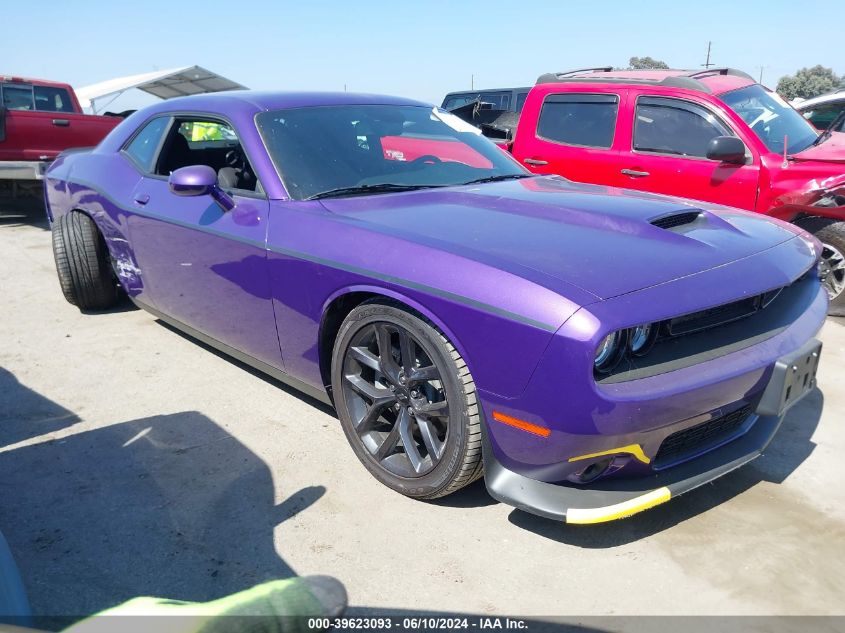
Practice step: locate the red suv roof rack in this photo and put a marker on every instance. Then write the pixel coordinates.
(719, 71)
(687, 79)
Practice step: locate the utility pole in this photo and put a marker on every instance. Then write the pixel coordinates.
(472, 82)
(760, 80)
(707, 64)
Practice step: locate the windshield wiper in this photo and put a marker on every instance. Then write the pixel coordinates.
(829, 130)
(499, 178)
(361, 190)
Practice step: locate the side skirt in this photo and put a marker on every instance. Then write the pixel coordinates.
(278, 374)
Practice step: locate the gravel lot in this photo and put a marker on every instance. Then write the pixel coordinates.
(135, 461)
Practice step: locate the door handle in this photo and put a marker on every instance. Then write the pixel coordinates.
(141, 199)
(61, 122)
(635, 173)
(534, 161)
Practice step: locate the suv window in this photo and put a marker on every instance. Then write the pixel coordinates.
(17, 97)
(207, 142)
(822, 116)
(143, 147)
(673, 126)
(499, 100)
(587, 120)
(456, 101)
(51, 99)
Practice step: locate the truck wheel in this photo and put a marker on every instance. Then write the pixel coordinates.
(82, 263)
(831, 233)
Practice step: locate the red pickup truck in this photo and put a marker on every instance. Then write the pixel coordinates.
(714, 135)
(38, 120)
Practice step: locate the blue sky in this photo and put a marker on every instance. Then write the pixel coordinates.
(411, 48)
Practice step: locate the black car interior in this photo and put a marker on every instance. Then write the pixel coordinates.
(225, 155)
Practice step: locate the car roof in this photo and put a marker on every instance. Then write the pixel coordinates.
(712, 80)
(835, 95)
(257, 100)
(30, 81)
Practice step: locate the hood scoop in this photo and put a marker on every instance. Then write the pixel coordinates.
(675, 219)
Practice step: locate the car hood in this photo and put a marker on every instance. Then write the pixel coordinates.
(598, 239)
(830, 151)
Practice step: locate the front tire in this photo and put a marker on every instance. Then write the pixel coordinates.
(82, 263)
(831, 233)
(406, 401)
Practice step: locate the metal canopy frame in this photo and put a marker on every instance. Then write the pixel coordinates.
(165, 84)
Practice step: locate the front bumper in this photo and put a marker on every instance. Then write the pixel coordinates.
(792, 378)
(23, 169)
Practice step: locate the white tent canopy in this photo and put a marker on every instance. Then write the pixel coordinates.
(176, 82)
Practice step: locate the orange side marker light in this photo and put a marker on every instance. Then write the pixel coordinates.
(522, 425)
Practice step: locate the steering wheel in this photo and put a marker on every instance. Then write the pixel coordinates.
(234, 158)
(426, 159)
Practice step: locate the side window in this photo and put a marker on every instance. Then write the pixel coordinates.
(673, 126)
(17, 97)
(455, 101)
(822, 116)
(586, 120)
(520, 100)
(143, 147)
(50, 99)
(500, 100)
(207, 142)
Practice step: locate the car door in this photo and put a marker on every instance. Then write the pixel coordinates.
(667, 153)
(203, 265)
(575, 135)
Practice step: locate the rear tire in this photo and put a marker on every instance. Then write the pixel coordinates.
(82, 263)
(398, 383)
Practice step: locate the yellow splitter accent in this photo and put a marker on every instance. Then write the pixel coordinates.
(632, 449)
(618, 510)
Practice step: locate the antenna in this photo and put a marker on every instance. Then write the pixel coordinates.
(708, 64)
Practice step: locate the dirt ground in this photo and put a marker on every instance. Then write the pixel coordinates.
(135, 461)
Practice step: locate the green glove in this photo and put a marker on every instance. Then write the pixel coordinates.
(278, 606)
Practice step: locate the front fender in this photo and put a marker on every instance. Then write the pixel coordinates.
(801, 190)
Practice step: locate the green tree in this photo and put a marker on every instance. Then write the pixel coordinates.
(808, 83)
(646, 63)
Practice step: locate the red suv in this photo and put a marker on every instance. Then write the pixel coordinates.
(713, 135)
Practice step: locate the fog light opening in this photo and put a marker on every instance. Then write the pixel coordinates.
(595, 470)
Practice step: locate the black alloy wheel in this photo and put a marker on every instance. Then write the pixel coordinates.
(406, 401)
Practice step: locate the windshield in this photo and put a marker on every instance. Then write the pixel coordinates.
(318, 150)
(771, 119)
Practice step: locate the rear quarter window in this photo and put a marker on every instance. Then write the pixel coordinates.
(143, 148)
(584, 120)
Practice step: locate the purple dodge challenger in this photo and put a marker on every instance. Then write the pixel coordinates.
(463, 316)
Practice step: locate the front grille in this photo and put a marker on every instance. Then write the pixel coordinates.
(720, 315)
(678, 219)
(700, 438)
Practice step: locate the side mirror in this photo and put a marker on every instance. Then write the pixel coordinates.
(3, 123)
(199, 180)
(726, 149)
